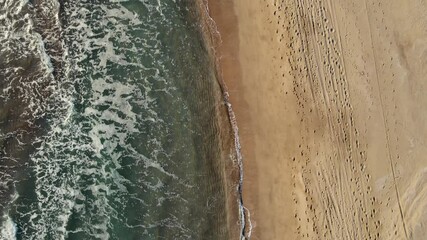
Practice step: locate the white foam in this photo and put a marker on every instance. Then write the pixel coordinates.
(8, 229)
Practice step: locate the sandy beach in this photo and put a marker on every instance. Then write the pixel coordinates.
(330, 102)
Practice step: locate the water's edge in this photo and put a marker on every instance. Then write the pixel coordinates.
(212, 37)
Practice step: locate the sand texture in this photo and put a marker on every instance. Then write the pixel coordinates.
(331, 103)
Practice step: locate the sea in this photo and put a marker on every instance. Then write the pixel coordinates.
(113, 124)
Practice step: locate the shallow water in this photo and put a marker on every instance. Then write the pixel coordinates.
(107, 126)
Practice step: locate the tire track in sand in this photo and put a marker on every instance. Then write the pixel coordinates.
(332, 191)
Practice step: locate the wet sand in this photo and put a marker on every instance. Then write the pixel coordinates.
(330, 102)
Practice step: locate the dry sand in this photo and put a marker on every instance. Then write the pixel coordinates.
(331, 102)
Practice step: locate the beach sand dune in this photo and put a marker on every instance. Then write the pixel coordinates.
(330, 102)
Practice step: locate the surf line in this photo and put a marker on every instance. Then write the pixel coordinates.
(246, 224)
(215, 38)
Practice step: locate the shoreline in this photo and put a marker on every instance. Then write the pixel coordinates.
(246, 68)
(214, 41)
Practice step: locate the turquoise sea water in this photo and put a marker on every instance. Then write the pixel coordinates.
(107, 122)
